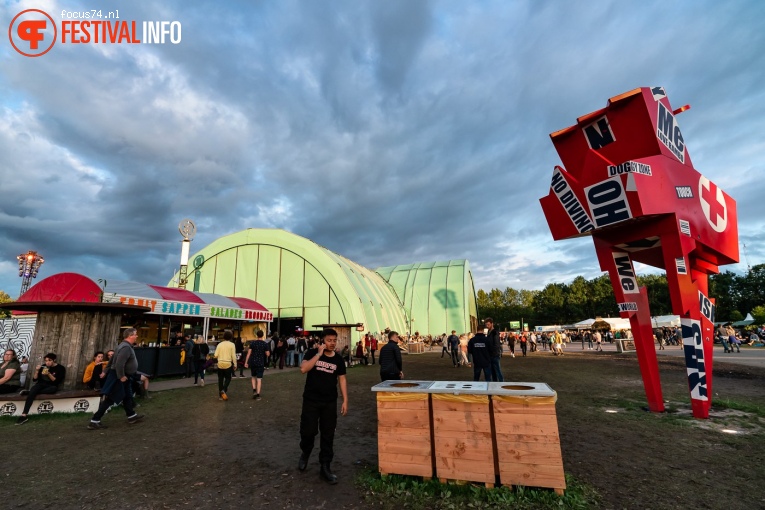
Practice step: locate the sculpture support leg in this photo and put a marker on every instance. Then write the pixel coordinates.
(688, 289)
(626, 290)
(646, 350)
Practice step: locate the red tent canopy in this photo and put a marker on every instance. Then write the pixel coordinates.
(77, 288)
(64, 287)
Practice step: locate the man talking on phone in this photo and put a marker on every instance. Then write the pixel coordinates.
(325, 369)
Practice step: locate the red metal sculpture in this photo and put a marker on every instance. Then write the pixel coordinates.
(629, 182)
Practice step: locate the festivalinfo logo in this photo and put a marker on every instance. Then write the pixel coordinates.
(34, 32)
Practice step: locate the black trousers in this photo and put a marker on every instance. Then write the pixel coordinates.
(37, 389)
(390, 377)
(224, 378)
(9, 388)
(127, 402)
(456, 356)
(318, 417)
(199, 370)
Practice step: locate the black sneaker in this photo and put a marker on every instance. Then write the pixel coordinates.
(22, 420)
(135, 418)
(257, 396)
(96, 425)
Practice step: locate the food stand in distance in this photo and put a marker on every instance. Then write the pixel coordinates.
(195, 313)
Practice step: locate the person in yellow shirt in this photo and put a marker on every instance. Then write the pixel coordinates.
(225, 353)
(92, 374)
(558, 344)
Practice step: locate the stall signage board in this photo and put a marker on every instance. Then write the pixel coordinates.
(162, 307)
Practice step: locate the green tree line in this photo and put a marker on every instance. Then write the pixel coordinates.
(560, 303)
(5, 298)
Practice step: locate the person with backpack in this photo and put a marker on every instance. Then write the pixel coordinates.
(524, 342)
(199, 355)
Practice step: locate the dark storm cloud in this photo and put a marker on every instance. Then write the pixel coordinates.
(389, 132)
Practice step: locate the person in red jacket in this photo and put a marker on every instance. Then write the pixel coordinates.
(372, 345)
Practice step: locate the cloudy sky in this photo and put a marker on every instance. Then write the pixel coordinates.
(388, 131)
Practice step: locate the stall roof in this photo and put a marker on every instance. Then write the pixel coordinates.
(665, 321)
(543, 329)
(612, 323)
(746, 322)
(585, 324)
(73, 287)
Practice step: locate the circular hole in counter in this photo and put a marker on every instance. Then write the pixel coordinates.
(518, 387)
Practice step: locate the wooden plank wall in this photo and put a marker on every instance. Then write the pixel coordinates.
(403, 438)
(528, 445)
(74, 337)
(463, 440)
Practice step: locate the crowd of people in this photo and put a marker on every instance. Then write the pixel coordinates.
(104, 373)
(115, 372)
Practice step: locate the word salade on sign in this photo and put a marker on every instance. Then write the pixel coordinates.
(231, 313)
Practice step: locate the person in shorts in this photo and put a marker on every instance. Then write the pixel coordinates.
(256, 362)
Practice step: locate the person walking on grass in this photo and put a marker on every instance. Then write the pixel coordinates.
(225, 353)
(479, 349)
(391, 365)
(495, 350)
(325, 370)
(557, 343)
(511, 343)
(454, 347)
(199, 354)
(372, 346)
(598, 341)
(119, 377)
(188, 360)
(256, 362)
(444, 346)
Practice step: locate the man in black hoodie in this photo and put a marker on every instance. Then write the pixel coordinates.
(495, 349)
(478, 347)
(391, 366)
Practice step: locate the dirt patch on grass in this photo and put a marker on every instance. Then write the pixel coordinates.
(196, 451)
